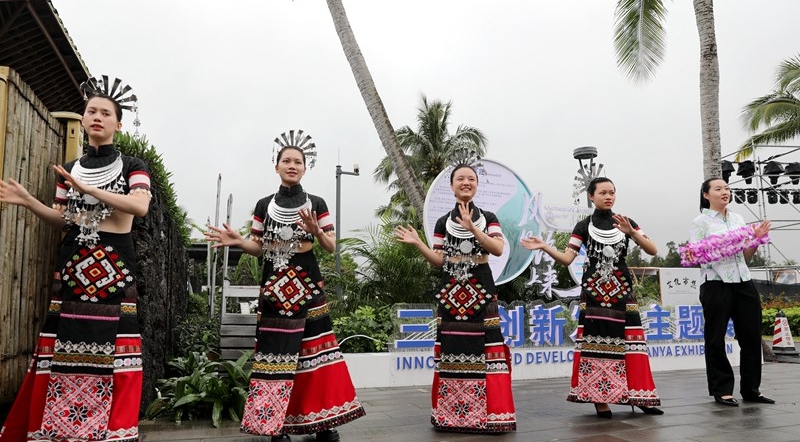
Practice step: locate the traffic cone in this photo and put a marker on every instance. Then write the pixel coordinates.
(782, 342)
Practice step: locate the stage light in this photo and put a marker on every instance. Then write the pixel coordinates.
(772, 196)
(738, 196)
(793, 171)
(784, 196)
(727, 170)
(752, 196)
(773, 170)
(746, 170)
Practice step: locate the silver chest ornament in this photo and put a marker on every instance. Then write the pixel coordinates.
(282, 235)
(607, 247)
(87, 211)
(460, 250)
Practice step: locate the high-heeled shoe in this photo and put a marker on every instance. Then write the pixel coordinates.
(649, 410)
(605, 414)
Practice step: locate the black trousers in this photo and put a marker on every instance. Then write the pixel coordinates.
(741, 302)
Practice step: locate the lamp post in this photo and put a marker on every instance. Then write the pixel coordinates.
(587, 172)
(339, 173)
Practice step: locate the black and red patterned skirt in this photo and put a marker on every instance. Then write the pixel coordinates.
(85, 379)
(472, 378)
(611, 364)
(300, 383)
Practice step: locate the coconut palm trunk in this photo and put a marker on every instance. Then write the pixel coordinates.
(709, 88)
(375, 107)
(639, 41)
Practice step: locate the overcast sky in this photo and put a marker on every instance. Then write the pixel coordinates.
(217, 81)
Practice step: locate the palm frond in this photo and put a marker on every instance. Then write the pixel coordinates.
(383, 171)
(776, 134)
(429, 150)
(745, 151)
(639, 37)
(787, 77)
(776, 107)
(776, 114)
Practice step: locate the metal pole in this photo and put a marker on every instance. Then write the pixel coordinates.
(338, 224)
(339, 173)
(213, 288)
(225, 253)
(209, 252)
(762, 205)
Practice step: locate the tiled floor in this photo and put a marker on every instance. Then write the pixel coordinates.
(403, 415)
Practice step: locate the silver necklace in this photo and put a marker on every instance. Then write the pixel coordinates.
(608, 247)
(462, 251)
(282, 235)
(100, 176)
(87, 211)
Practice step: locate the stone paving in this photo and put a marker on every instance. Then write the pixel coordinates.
(402, 414)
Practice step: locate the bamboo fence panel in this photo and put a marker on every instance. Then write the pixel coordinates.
(32, 142)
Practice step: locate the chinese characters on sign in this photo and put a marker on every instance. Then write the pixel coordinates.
(536, 325)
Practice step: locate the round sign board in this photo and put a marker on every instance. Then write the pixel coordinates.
(502, 192)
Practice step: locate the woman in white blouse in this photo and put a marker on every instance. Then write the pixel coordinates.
(728, 293)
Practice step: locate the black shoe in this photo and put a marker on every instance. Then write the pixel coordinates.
(602, 414)
(281, 438)
(328, 436)
(731, 401)
(761, 399)
(649, 410)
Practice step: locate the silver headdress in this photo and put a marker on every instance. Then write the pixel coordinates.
(116, 91)
(464, 155)
(295, 138)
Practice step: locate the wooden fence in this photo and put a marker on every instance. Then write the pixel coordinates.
(31, 142)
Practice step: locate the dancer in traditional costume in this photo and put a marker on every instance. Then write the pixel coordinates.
(472, 378)
(611, 364)
(300, 382)
(727, 292)
(85, 379)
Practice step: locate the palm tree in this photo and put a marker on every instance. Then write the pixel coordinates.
(777, 114)
(639, 41)
(390, 272)
(377, 111)
(429, 150)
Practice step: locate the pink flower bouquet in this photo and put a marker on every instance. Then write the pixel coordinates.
(716, 247)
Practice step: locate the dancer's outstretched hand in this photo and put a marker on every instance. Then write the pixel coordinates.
(308, 221)
(623, 224)
(223, 237)
(533, 243)
(406, 234)
(12, 192)
(465, 216)
(73, 182)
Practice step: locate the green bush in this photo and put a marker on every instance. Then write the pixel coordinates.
(201, 389)
(196, 333)
(196, 304)
(139, 147)
(768, 320)
(366, 321)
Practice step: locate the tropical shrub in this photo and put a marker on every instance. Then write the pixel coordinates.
(376, 323)
(202, 389)
(392, 272)
(768, 320)
(196, 332)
